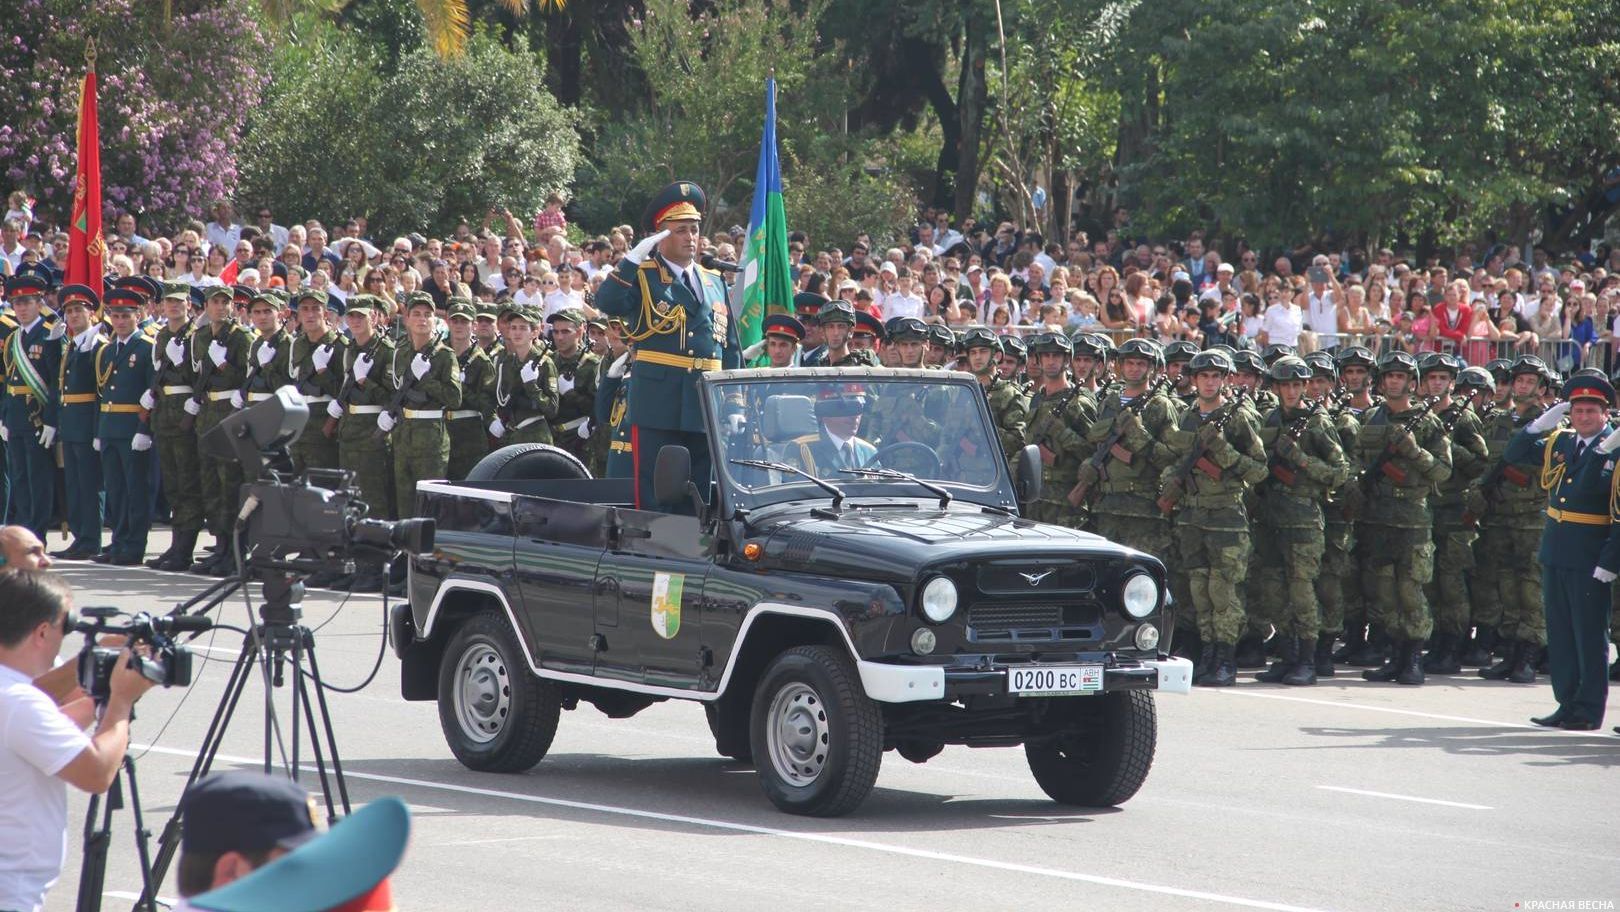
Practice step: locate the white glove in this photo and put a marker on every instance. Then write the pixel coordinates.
(584, 430)
(218, 351)
(530, 372)
(1610, 443)
(236, 399)
(140, 443)
(334, 408)
(564, 384)
(754, 351)
(420, 365)
(619, 366)
(362, 367)
(385, 422)
(96, 444)
(176, 350)
(5, 434)
(1548, 419)
(322, 357)
(47, 436)
(266, 355)
(735, 424)
(58, 331)
(192, 407)
(148, 401)
(1602, 575)
(496, 428)
(639, 252)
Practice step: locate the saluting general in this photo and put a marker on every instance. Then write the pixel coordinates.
(678, 324)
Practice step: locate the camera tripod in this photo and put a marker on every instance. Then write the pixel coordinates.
(275, 637)
(98, 838)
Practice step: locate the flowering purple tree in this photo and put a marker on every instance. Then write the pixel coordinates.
(173, 95)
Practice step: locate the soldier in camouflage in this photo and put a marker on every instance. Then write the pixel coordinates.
(576, 382)
(314, 350)
(1365, 644)
(525, 385)
(354, 412)
(1453, 539)
(468, 440)
(176, 446)
(1009, 409)
(1338, 574)
(427, 385)
(219, 359)
(1060, 416)
(1477, 387)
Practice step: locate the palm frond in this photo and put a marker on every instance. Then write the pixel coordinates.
(447, 25)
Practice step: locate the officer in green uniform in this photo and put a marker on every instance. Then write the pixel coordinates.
(1406, 452)
(576, 382)
(32, 361)
(1060, 417)
(314, 351)
(1580, 545)
(1453, 539)
(269, 355)
(1009, 409)
(1306, 463)
(77, 416)
(219, 358)
(125, 370)
(679, 324)
(525, 385)
(469, 441)
(1211, 523)
(176, 445)
(426, 382)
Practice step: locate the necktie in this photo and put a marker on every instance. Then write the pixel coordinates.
(850, 462)
(1579, 449)
(691, 285)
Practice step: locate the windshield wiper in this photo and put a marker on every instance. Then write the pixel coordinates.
(930, 487)
(823, 484)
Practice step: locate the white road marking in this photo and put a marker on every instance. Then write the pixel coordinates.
(1454, 804)
(1340, 704)
(825, 839)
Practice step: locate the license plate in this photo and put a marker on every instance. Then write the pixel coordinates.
(1054, 680)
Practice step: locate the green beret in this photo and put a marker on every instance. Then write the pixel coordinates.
(461, 307)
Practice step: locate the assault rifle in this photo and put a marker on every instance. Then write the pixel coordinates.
(199, 393)
(407, 385)
(1038, 432)
(1097, 466)
(1282, 471)
(1197, 458)
(1384, 464)
(350, 384)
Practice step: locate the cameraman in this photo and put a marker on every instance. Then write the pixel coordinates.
(40, 746)
(21, 549)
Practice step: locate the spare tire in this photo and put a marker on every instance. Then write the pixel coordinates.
(529, 462)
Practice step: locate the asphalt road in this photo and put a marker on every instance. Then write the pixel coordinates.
(1349, 795)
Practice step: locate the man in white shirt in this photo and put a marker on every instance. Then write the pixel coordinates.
(42, 749)
(565, 295)
(223, 231)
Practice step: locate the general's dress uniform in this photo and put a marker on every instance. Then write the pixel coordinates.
(32, 362)
(176, 445)
(77, 417)
(679, 325)
(468, 440)
(576, 390)
(125, 373)
(219, 358)
(313, 374)
(525, 391)
(1580, 552)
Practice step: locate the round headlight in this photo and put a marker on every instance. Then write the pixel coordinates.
(1147, 637)
(939, 600)
(923, 641)
(1141, 595)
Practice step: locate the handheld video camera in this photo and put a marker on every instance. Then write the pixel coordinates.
(165, 662)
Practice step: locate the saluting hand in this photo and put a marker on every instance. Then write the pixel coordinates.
(638, 253)
(1549, 419)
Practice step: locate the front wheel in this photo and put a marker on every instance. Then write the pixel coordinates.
(1102, 751)
(497, 716)
(817, 739)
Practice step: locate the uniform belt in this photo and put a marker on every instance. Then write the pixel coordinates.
(1126, 487)
(221, 396)
(317, 398)
(570, 425)
(177, 390)
(258, 397)
(1212, 501)
(680, 361)
(78, 398)
(1585, 519)
(435, 414)
(459, 414)
(19, 390)
(1400, 492)
(121, 408)
(365, 409)
(620, 446)
(528, 421)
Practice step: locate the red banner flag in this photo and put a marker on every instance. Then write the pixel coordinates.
(86, 248)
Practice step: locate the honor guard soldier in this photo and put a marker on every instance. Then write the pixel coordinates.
(1127, 439)
(165, 400)
(315, 349)
(468, 440)
(783, 335)
(679, 325)
(219, 358)
(1453, 539)
(807, 308)
(427, 385)
(1580, 544)
(77, 418)
(867, 335)
(1060, 415)
(576, 382)
(126, 370)
(485, 329)
(353, 413)
(525, 385)
(32, 364)
(269, 357)
(1405, 452)
(837, 323)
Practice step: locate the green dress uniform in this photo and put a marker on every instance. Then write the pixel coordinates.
(612, 403)
(576, 392)
(679, 324)
(176, 445)
(357, 406)
(125, 372)
(431, 382)
(1580, 555)
(31, 360)
(77, 418)
(219, 361)
(469, 439)
(523, 406)
(318, 385)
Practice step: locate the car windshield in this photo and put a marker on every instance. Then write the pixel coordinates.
(932, 428)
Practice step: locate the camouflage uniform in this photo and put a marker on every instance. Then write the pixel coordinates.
(1454, 540)
(221, 478)
(314, 449)
(361, 449)
(1127, 509)
(421, 442)
(524, 407)
(178, 461)
(1513, 511)
(469, 439)
(576, 399)
(1338, 578)
(1058, 424)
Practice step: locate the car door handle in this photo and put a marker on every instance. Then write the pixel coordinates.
(606, 584)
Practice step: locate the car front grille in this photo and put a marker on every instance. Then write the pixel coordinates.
(1036, 578)
(1025, 623)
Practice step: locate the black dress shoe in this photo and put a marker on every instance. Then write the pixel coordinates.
(127, 560)
(1552, 720)
(1578, 725)
(105, 557)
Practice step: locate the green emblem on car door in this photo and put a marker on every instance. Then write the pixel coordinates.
(666, 603)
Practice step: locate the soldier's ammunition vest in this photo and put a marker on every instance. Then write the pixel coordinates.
(1520, 492)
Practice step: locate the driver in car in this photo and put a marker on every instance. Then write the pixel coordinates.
(838, 445)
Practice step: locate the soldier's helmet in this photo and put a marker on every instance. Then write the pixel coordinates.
(1499, 368)
(1050, 343)
(1397, 362)
(1106, 344)
(908, 329)
(1180, 350)
(1476, 378)
(1356, 355)
(1277, 350)
(1013, 345)
(1290, 367)
(941, 335)
(1248, 362)
(1211, 360)
(1146, 349)
(1528, 364)
(1440, 361)
(980, 337)
(1223, 348)
(1322, 365)
(1087, 344)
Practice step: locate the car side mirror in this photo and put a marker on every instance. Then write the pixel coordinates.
(672, 473)
(1027, 475)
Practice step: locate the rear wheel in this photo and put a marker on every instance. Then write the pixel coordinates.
(1101, 754)
(497, 716)
(817, 738)
(528, 462)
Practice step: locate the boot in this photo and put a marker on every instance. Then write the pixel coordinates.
(1206, 660)
(1355, 637)
(1411, 670)
(1375, 652)
(178, 557)
(1524, 670)
(1502, 669)
(1250, 652)
(204, 565)
(1223, 670)
(1288, 648)
(156, 563)
(1478, 653)
(1390, 670)
(1324, 657)
(1303, 674)
(1444, 656)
